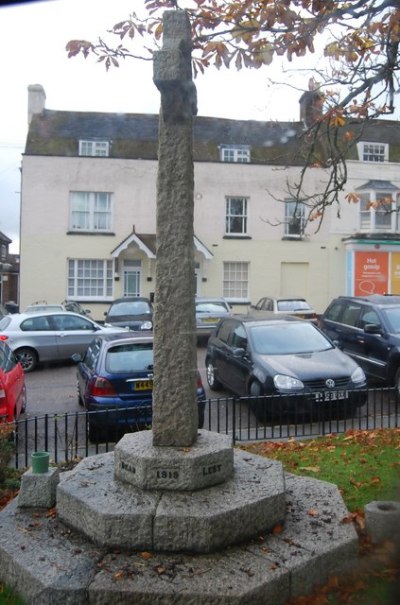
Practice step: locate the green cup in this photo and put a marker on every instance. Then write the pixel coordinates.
(40, 462)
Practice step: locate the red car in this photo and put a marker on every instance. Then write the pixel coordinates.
(12, 385)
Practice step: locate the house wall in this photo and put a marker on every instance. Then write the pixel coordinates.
(316, 264)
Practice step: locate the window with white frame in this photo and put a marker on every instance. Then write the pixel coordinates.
(235, 153)
(295, 218)
(236, 216)
(373, 152)
(90, 279)
(378, 211)
(94, 148)
(90, 211)
(236, 281)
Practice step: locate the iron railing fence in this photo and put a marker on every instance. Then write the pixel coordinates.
(74, 435)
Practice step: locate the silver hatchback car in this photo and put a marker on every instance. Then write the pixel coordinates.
(53, 336)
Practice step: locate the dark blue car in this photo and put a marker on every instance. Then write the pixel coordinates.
(115, 379)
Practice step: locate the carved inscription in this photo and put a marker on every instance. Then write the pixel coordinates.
(167, 474)
(128, 467)
(211, 470)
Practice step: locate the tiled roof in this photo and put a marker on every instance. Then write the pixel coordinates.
(135, 136)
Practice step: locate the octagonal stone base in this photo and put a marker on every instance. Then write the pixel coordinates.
(208, 462)
(113, 513)
(49, 564)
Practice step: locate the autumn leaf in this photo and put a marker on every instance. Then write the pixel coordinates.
(278, 529)
(145, 555)
(313, 512)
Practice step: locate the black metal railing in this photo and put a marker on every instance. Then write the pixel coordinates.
(71, 436)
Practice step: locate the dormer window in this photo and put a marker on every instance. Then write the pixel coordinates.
(94, 148)
(373, 152)
(378, 206)
(235, 153)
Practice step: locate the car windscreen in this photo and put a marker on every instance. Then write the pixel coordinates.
(292, 305)
(392, 316)
(288, 339)
(139, 307)
(211, 307)
(129, 357)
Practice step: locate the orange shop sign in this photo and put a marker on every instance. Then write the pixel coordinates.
(371, 273)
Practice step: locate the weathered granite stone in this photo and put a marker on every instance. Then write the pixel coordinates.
(38, 490)
(208, 462)
(175, 414)
(113, 513)
(49, 564)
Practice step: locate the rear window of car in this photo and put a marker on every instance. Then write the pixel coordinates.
(292, 305)
(139, 307)
(211, 307)
(132, 357)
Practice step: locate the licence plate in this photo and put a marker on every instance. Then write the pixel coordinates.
(210, 320)
(331, 395)
(143, 385)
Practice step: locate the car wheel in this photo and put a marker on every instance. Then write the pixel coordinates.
(258, 403)
(213, 382)
(27, 358)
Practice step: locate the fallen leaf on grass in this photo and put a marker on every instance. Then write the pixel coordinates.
(311, 469)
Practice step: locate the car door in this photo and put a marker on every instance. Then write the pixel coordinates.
(37, 332)
(373, 354)
(341, 323)
(73, 334)
(12, 383)
(238, 361)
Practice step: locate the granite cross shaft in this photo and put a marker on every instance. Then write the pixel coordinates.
(175, 414)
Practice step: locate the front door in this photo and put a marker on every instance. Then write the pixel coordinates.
(132, 272)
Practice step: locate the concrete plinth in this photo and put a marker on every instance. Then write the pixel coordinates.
(49, 564)
(116, 514)
(209, 461)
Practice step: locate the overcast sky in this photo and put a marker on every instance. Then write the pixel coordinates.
(33, 37)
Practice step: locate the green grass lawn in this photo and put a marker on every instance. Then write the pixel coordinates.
(365, 465)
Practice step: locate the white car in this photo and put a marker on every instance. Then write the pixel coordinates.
(49, 336)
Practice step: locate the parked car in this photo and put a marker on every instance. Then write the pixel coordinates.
(116, 374)
(208, 313)
(285, 305)
(41, 307)
(133, 312)
(12, 385)
(368, 329)
(49, 336)
(75, 307)
(282, 356)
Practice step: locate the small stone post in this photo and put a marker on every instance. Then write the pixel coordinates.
(175, 414)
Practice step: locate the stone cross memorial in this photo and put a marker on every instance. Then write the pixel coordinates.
(175, 416)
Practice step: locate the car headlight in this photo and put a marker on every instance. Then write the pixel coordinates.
(287, 383)
(146, 325)
(358, 376)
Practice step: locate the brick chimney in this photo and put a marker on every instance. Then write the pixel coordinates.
(311, 104)
(36, 100)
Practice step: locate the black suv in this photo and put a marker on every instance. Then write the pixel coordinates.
(368, 329)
